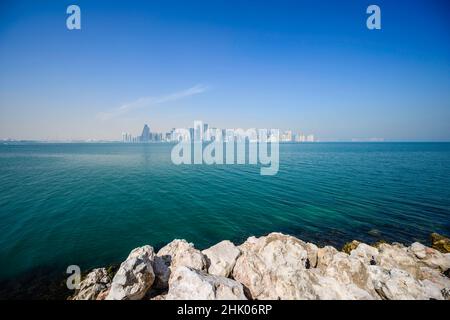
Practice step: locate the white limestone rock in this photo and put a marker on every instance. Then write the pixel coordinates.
(396, 284)
(397, 257)
(95, 282)
(221, 258)
(311, 250)
(189, 284)
(349, 271)
(365, 253)
(134, 277)
(329, 288)
(273, 267)
(325, 256)
(434, 280)
(430, 257)
(176, 254)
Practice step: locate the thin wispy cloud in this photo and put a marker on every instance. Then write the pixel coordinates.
(145, 102)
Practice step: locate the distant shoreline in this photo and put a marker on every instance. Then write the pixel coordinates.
(24, 142)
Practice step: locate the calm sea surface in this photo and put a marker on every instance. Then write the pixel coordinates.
(90, 204)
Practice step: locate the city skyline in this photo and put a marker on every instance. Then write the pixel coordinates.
(292, 65)
(201, 131)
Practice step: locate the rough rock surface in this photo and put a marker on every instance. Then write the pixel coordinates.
(440, 243)
(176, 254)
(430, 257)
(351, 272)
(221, 258)
(188, 283)
(134, 277)
(396, 284)
(276, 266)
(102, 295)
(398, 257)
(94, 284)
(272, 267)
(365, 253)
(349, 246)
(326, 287)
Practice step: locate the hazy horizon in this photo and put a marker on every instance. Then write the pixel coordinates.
(311, 67)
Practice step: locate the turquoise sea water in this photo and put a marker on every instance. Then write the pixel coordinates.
(90, 204)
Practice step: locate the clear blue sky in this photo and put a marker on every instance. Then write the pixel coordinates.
(310, 66)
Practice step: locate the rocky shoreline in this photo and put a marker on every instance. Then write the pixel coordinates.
(276, 266)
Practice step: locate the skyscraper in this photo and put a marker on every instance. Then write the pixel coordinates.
(198, 131)
(145, 136)
(206, 133)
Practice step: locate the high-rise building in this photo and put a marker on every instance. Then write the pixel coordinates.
(213, 134)
(229, 136)
(126, 137)
(274, 136)
(224, 135)
(146, 135)
(198, 131)
(206, 132)
(286, 136)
